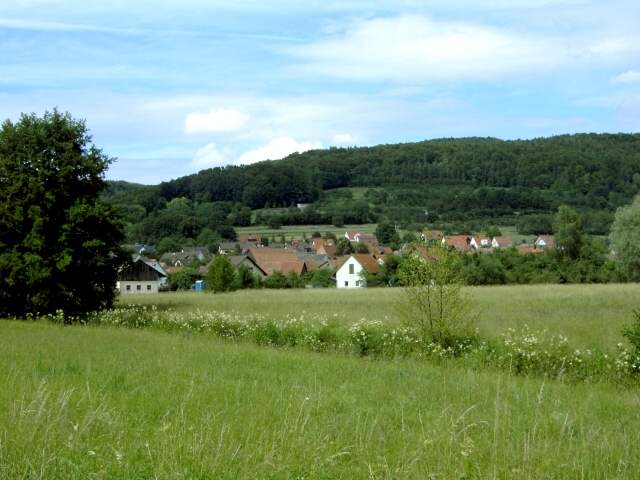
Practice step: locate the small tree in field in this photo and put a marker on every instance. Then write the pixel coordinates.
(625, 239)
(221, 276)
(435, 303)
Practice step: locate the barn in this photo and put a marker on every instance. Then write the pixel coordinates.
(140, 276)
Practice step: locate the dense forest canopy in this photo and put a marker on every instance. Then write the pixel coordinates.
(435, 180)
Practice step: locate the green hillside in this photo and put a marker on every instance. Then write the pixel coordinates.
(436, 181)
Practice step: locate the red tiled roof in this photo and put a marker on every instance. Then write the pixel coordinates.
(271, 260)
(528, 249)
(367, 261)
(351, 236)
(504, 241)
(328, 250)
(459, 242)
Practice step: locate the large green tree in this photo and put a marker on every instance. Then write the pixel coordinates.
(59, 243)
(625, 239)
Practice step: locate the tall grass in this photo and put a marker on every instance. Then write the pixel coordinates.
(592, 316)
(519, 351)
(94, 402)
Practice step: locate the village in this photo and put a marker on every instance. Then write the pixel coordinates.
(348, 266)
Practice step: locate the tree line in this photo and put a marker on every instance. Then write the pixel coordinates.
(446, 180)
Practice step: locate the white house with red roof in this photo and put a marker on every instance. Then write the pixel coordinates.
(353, 269)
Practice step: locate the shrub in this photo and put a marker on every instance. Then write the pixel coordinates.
(435, 304)
(632, 334)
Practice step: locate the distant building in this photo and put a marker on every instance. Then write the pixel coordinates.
(545, 241)
(248, 262)
(271, 260)
(503, 241)
(479, 242)
(432, 236)
(359, 237)
(461, 243)
(528, 249)
(352, 270)
(141, 276)
(185, 257)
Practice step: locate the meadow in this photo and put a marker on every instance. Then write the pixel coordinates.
(101, 402)
(591, 316)
(298, 232)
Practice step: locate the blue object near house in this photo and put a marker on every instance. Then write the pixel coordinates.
(199, 286)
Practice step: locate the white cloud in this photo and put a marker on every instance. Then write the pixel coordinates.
(211, 156)
(343, 139)
(630, 76)
(412, 49)
(223, 120)
(276, 149)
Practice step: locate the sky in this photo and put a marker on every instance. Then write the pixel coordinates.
(168, 88)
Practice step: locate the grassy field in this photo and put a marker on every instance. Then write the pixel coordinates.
(292, 232)
(105, 403)
(590, 315)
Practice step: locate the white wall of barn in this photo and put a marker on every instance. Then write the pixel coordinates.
(138, 287)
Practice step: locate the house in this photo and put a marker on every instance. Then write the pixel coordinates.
(352, 270)
(143, 249)
(359, 237)
(140, 276)
(322, 246)
(302, 246)
(229, 248)
(271, 260)
(479, 242)
(528, 249)
(545, 241)
(432, 236)
(247, 261)
(313, 261)
(327, 250)
(351, 236)
(317, 243)
(503, 241)
(185, 257)
(249, 238)
(461, 243)
(368, 238)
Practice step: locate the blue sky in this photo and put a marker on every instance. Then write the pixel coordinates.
(170, 88)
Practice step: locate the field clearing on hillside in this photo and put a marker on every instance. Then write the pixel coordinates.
(95, 402)
(591, 316)
(292, 232)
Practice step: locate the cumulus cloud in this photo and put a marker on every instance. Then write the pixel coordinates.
(630, 76)
(416, 48)
(276, 149)
(211, 156)
(222, 120)
(343, 139)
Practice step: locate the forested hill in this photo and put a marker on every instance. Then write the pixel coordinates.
(450, 177)
(586, 168)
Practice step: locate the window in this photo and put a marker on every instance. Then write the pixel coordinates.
(351, 268)
(357, 283)
(138, 287)
(128, 288)
(148, 288)
(346, 284)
